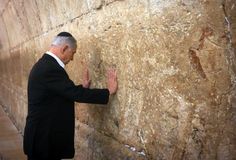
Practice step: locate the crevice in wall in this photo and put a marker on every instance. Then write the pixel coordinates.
(231, 50)
(13, 120)
(228, 24)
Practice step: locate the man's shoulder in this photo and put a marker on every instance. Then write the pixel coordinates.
(47, 60)
(45, 64)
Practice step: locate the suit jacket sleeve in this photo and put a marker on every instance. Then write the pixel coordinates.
(58, 81)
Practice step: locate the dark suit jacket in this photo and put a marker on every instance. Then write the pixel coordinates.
(49, 130)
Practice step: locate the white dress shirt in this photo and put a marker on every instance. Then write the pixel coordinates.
(56, 58)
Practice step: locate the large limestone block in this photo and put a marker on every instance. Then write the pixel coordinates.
(175, 79)
(14, 25)
(27, 59)
(176, 71)
(55, 14)
(31, 13)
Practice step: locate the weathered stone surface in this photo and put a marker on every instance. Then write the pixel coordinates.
(3, 5)
(14, 26)
(92, 144)
(176, 71)
(4, 43)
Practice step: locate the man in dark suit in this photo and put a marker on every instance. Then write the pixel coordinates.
(49, 130)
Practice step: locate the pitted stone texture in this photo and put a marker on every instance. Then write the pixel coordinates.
(176, 71)
(174, 86)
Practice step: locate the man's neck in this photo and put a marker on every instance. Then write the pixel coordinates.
(59, 61)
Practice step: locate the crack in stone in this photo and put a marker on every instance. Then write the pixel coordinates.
(231, 50)
(229, 32)
(195, 62)
(11, 117)
(140, 152)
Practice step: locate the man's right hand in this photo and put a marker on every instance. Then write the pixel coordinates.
(112, 81)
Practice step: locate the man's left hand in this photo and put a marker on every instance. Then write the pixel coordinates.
(86, 80)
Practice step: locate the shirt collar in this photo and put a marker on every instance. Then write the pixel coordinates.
(56, 58)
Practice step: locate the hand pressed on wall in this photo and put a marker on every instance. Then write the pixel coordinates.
(112, 84)
(86, 79)
(63, 93)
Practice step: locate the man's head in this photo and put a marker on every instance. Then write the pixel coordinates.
(64, 47)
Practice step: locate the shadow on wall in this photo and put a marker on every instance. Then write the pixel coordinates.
(2, 158)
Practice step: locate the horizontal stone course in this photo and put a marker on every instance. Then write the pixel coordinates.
(175, 65)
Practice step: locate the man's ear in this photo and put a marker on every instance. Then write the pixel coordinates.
(64, 48)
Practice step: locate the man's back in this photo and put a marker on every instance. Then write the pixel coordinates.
(49, 113)
(49, 130)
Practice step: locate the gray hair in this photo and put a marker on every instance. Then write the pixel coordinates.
(60, 40)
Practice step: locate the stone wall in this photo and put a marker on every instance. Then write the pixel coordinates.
(176, 71)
